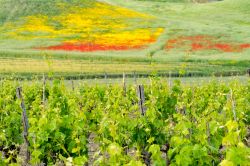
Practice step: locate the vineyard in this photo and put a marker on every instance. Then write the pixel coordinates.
(62, 101)
(155, 124)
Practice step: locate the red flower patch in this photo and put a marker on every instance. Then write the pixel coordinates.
(244, 46)
(88, 47)
(203, 42)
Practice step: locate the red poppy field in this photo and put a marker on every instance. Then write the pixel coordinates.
(91, 47)
(204, 42)
(186, 43)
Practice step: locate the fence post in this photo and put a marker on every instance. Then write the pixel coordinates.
(169, 79)
(135, 80)
(233, 105)
(124, 84)
(106, 78)
(141, 96)
(208, 133)
(44, 90)
(73, 85)
(140, 92)
(234, 109)
(25, 125)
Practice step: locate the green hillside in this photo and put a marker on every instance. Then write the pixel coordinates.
(118, 36)
(14, 9)
(36, 24)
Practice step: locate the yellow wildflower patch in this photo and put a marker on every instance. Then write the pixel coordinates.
(100, 24)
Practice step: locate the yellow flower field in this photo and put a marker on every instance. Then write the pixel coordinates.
(97, 27)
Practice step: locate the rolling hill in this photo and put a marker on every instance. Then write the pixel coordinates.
(78, 25)
(72, 37)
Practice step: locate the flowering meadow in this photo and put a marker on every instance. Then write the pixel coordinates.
(99, 26)
(204, 42)
(89, 37)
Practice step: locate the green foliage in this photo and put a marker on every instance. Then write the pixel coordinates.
(191, 125)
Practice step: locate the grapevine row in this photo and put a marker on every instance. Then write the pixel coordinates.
(134, 125)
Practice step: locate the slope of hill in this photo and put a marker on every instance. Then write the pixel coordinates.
(116, 36)
(78, 25)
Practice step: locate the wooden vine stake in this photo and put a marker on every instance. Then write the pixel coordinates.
(25, 125)
(124, 84)
(208, 133)
(125, 146)
(169, 79)
(44, 90)
(233, 108)
(105, 76)
(141, 96)
(135, 79)
(140, 93)
(72, 85)
(233, 105)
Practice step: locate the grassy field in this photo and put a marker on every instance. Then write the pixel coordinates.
(138, 80)
(187, 81)
(225, 23)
